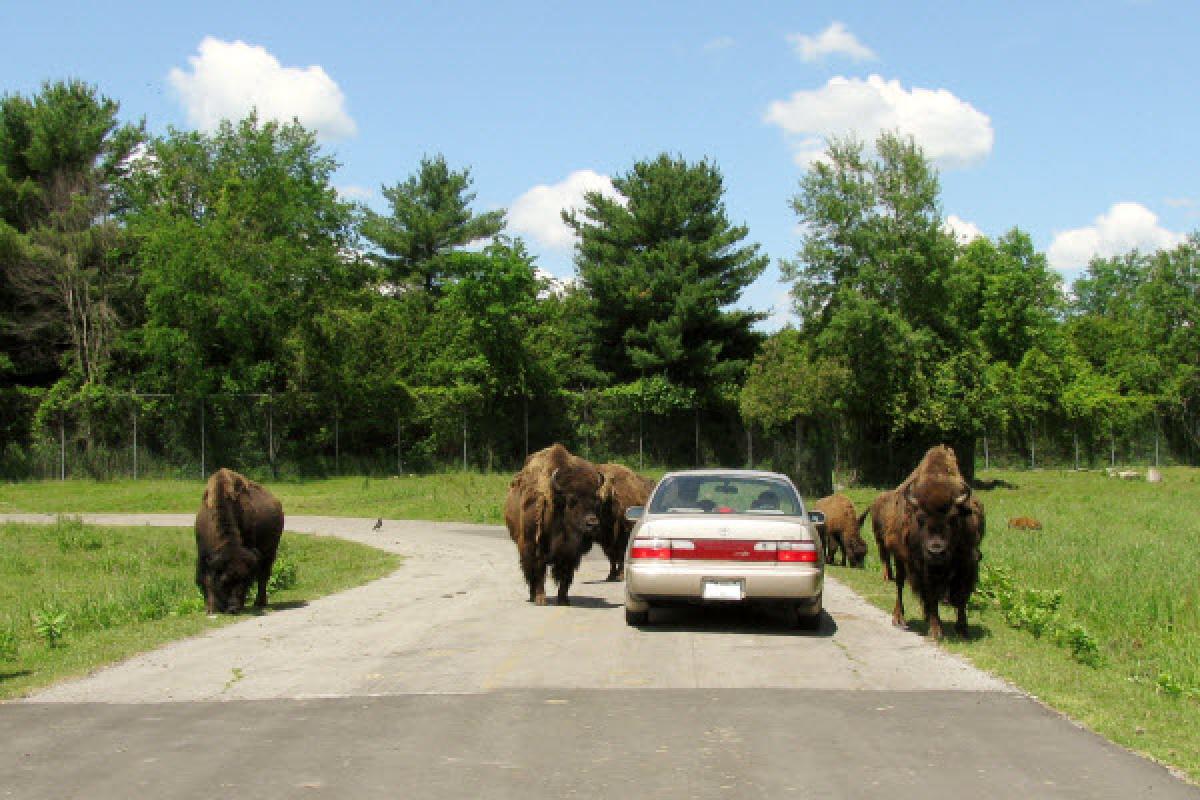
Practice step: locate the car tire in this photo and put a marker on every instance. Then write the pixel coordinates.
(636, 618)
(808, 614)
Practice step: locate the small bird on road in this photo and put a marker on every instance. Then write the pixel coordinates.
(378, 524)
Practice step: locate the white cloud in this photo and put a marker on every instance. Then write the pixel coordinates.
(228, 79)
(719, 43)
(1126, 227)
(965, 232)
(952, 132)
(537, 213)
(834, 40)
(354, 192)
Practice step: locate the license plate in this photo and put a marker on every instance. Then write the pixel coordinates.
(724, 590)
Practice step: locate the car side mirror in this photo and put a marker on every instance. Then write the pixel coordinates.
(634, 513)
(818, 517)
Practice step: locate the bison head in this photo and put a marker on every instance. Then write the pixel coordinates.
(232, 570)
(577, 499)
(856, 550)
(940, 510)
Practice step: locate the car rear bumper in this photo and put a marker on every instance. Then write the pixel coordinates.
(685, 583)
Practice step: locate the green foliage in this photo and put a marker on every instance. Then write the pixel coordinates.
(1035, 611)
(660, 267)
(50, 623)
(10, 642)
(240, 241)
(283, 573)
(430, 219)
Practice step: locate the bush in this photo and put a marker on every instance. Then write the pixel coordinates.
(283, 574)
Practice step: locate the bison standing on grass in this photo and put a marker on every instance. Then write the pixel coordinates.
(841, 530)
(237, 535)
(551, 516)
(621, 489)
(932, 527)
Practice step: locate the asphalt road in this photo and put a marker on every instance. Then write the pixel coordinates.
(441, 681)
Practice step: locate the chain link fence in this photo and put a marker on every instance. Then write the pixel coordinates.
(298, 434)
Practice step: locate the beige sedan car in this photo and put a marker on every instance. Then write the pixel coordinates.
(724, 536)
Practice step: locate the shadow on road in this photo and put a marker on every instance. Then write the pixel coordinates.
(289, 605)
(19, 673)
(717, 620)
(591, 602)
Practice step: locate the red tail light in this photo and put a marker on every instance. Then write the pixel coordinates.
(724, 550)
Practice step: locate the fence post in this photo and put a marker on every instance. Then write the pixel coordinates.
(1112, 441)
(203, 471)
(62, 447)
(464, 441)
(1075, 436)
(337, 445)
(987, 464)
(697, 421)
(1032, 448)
(525, 404)
(271, 433)
(135, 421)
(399, 457)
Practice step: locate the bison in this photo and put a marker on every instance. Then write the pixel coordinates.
(840, 530)
(932, 527)
(621, 489)
(238, 528)
(551, 514)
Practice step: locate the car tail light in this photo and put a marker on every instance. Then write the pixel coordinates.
(724, 550)
(803, 552)
(651, 548)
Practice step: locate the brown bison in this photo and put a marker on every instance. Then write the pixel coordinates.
(621, 489)
(841, 530)
(932, 527)
(551, 516)
(1024, 523)
(237, 535)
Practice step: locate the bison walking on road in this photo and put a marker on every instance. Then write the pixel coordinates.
(931, 526)
(841, 530)
(238, 528)
(622, 488)
(551, 515)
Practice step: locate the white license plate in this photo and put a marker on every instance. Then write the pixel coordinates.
(724, 590)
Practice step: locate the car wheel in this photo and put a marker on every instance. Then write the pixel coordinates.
(637, 617)
(808, 614)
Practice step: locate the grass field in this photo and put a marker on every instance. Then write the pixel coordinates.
(74, 597)
(1101, 608)
(1125, 557)
(450, 497)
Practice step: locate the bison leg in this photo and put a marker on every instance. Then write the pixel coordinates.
(929, 600)
(960, 624)
(898, 610)
(616, 557)
(537, 583)
(840, 541)
(564, 584)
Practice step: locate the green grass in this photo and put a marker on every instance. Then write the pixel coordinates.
(1126, 558)
(75, 597)
(451, 497)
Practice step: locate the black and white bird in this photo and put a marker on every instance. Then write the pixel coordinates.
(378, 524)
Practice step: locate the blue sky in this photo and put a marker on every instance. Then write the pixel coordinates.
(1075, 122)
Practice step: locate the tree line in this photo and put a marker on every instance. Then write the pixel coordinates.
(173, 270)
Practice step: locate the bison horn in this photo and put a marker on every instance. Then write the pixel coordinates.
(963, 498)
(554, 481)
(910, 497)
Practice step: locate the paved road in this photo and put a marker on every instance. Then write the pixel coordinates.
(441, 681)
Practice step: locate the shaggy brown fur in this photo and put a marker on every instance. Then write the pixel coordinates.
(550, 512)
(622, 488)
(238, 528)
(841, 530)
(932, 529)
(1024, 523)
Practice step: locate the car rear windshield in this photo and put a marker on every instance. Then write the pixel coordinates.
(724, 494)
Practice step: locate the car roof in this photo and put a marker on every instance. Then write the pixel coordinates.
(729, 473)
